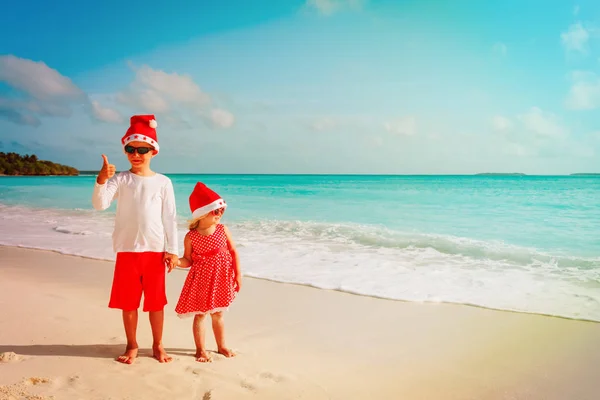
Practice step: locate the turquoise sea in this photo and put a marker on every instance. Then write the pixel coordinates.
(523, 243)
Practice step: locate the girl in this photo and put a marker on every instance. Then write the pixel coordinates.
(214, 277)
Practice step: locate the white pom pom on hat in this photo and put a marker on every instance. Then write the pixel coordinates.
(153, 123)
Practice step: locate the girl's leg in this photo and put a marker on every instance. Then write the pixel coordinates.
(219, 331)
(198, 328)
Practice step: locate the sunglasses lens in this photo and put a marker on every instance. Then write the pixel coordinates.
(140, 150)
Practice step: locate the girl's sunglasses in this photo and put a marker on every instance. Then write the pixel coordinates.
(218, 211)
(140, 150)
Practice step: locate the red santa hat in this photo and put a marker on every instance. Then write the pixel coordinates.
(142, 128)
(204, 200)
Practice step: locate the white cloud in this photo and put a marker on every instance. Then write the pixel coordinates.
(500, 123)
(542, 124)
(576, 38)
(221, 118)
(105, 114)
(44, 92)
(146, 99)
(37, 79)
(500, 49)
(329, 7)
(539, 134)
(584, 93)
(160, 92)
(324, 124)
(154, 90)
(402, 126)
(175, 87)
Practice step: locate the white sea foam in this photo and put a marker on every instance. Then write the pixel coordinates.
(365, 260)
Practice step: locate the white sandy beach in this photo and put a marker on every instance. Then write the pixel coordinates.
(294, 342)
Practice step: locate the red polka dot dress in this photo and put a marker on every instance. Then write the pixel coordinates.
(210, 284)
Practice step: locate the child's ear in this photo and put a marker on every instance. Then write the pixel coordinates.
(154, 152)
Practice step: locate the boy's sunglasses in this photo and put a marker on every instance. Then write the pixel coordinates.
(140, 150)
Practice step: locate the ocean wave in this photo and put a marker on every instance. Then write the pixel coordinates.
(361, 259)
(72, 231)
(381, 237)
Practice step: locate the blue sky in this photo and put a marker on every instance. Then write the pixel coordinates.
(317, 86)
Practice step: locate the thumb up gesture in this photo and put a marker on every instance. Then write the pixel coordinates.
(107, 171)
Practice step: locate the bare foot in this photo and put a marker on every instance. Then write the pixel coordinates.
(160, 354)
(227, 352)
(202, 356)
(129, 356)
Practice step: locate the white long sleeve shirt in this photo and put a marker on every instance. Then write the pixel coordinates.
(146, 214)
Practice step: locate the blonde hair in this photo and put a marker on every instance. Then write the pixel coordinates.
(193, 223)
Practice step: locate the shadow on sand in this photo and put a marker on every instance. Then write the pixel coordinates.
(82, 350)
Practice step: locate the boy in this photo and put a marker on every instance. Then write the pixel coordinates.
(145, 233)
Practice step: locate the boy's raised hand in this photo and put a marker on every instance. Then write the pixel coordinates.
(107, 171)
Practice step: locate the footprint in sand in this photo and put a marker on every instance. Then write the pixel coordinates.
(249, 385)
(36, 381)
(9, 356)
(272, 377)
(263, 380)
(195, 371)
(19, 390)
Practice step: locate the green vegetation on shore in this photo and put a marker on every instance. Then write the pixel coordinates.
(16, 164)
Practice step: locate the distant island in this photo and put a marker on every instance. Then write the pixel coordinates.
(16, 164)
(502, 173)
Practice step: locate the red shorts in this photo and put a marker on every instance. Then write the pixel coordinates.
(137, 272)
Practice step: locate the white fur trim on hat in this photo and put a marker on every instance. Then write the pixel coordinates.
(215, 205)
(136, 137)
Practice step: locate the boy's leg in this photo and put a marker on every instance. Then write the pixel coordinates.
(219, 330)
(199, 338)
(130, 321)
(126, 294)
(155, 299)
(156, 322)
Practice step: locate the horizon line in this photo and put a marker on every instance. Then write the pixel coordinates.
(513, 174)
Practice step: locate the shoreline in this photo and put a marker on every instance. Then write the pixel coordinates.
(60, 339)
(477, 306)
(335, 290)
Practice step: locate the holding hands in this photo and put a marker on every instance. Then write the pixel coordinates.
(171, 260)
